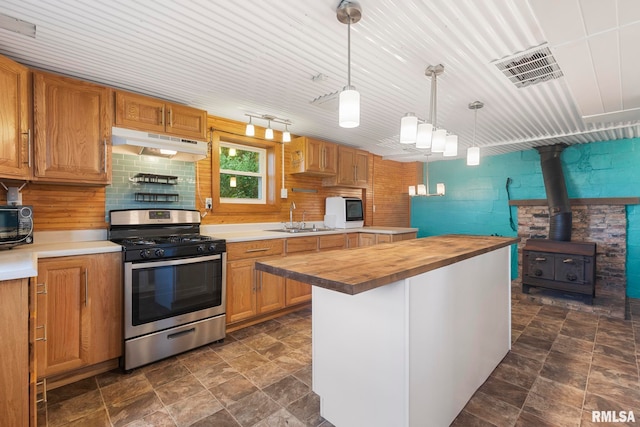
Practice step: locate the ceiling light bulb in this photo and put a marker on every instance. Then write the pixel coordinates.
(412, 190)
(422, 190)
(268, 133)
(167, 152)
(473, 156)
(425, 133)
(349, 109)
(439, 141)
(250, 129)
(408, 128)
(451, 146)
(440, 189)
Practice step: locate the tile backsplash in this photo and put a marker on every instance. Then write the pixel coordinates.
(121, 193)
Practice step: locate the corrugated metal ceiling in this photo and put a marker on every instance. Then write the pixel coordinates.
(275, 57)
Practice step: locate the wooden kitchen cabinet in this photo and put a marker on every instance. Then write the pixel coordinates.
(15, 132)
(352, 240)
(141, 112)
(72, 130)
(370, 239)
(353, 169)
(313, 157)
(78, 312)
(14, 353)
(298, 292)
(367, 239)
(249, 292)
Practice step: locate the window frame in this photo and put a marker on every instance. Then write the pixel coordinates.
(262, 173)
(273, 169)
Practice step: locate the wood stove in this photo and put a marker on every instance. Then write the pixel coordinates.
(564, 266)
(558, 263)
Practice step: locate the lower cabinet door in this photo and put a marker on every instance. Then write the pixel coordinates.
(297, 292)
(270, 292)
(241, 290)
(62, 322)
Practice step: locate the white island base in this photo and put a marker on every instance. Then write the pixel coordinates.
(413, 352)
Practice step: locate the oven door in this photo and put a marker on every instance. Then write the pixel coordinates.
(162, 294)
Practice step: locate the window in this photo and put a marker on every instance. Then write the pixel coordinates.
(242, 173)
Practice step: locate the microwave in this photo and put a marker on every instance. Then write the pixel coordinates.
(347, 212)
(16, 225)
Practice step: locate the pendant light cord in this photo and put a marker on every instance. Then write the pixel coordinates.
(349, 53)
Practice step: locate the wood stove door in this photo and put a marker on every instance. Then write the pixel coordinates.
(570, 268)
(539, 265)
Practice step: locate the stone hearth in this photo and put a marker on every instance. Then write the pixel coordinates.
(604, 224)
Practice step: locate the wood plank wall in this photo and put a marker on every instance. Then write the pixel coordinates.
(75, 207)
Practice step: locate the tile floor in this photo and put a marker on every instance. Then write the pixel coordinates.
(563, 364)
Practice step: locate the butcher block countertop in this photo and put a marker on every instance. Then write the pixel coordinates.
(356, 270)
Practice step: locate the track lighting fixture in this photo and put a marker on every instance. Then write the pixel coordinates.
(268, 133)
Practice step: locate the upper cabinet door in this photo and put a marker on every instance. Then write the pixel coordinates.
(186, 122)
(14, 120)
(73, 122)
(139, 112)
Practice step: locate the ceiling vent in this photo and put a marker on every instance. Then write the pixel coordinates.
(533, 66)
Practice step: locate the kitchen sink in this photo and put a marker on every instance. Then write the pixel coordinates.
(301, 230)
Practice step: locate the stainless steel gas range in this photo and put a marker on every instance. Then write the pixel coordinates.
(174, 283)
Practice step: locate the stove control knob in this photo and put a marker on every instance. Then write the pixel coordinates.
(212, 247)
(145, 253)
(200, 248)
(159, 252)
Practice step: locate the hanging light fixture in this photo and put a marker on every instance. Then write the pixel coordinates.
(423, 189)
(473, 152)
(286, 136)
(250, 129)
(268, 132)
(424, 133)
(349, 12)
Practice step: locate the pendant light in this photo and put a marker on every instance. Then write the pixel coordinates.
(349, 12)
(423, 189)
(473, 152)
(424, 133)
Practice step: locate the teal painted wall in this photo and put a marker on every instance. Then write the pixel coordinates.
(476, 197)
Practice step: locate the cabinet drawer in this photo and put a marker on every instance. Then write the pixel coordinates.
(254, 249)
(302, 244)
(383, 238)
(334, 241)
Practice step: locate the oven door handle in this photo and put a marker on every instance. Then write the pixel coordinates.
(181, 261)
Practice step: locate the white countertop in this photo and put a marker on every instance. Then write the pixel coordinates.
(22, 261)
(240, 235)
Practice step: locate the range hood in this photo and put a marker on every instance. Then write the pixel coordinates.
(128, 141)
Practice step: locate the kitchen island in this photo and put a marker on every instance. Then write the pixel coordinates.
(404, 333)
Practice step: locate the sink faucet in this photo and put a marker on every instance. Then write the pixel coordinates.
(291, 208)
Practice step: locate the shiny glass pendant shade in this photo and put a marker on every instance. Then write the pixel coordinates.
(286, 135)
(268, 133)
(250, 129)
(439, 141)
(412, 190)
(473, 156)
(425, 134)
(349, 109)
(408, 128)
(440, 189)
(451, 146)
